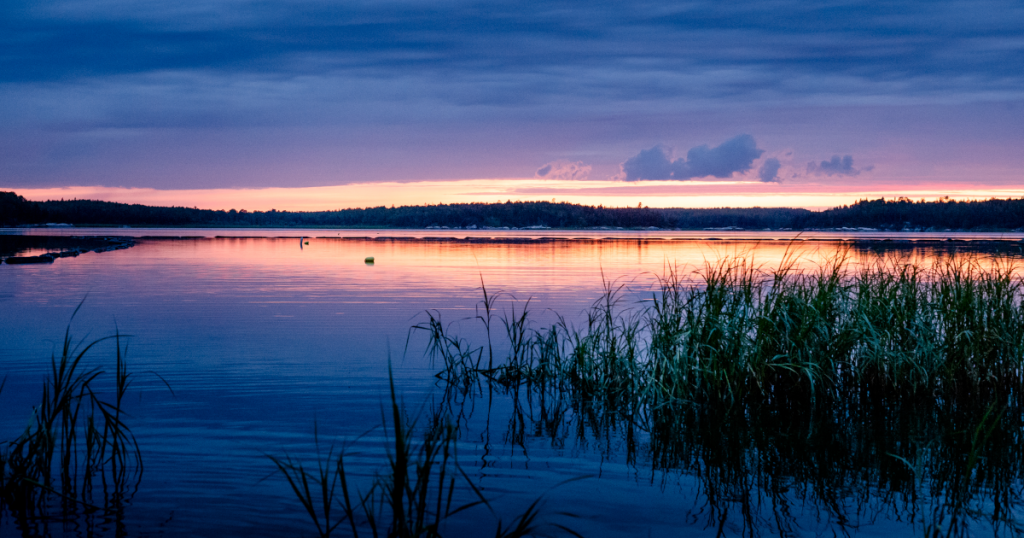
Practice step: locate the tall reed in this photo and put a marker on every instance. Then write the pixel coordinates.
(77, 453)
(876, 380)
(954, 330)
(412, 497)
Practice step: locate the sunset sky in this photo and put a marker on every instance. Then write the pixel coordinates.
(320, 105)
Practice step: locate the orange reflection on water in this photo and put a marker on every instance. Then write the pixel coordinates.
(443, 267)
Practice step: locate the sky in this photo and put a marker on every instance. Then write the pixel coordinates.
(323, 105)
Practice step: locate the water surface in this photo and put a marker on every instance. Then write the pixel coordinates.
(261, 337)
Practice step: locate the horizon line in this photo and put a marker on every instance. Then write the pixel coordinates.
(651, 194)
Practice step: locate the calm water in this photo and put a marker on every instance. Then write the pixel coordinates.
(261, 337)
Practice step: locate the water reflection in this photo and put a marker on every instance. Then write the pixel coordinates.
(902, 467)
(260, 338)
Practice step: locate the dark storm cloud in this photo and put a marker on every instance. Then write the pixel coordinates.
(734, 155)
(769, 171)
(836, 166)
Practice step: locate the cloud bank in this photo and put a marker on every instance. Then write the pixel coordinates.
(733, 156)
(836, 166)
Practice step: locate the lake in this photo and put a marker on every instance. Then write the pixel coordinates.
(262, 337)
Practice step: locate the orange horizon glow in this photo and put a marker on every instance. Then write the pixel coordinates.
(657, 194)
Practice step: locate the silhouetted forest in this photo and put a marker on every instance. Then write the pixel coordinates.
(899, 214)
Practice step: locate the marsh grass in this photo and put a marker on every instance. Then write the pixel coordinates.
(888, 387)
(734, 331)
(412, 497)
(76, 456)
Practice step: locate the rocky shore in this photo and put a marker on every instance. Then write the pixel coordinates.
(12, 247)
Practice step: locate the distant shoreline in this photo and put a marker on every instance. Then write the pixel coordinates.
(893, 215)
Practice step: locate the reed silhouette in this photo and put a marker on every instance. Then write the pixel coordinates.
(888, 388)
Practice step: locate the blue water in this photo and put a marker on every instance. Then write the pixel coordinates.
(261, 338)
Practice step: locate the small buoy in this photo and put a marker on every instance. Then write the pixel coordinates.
(307, 242)
(369, 259)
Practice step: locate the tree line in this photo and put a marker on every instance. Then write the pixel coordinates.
(893, 214)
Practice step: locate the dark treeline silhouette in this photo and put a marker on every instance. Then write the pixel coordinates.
(903, 213)
(15, 209)
(747, 218)
(897, 214)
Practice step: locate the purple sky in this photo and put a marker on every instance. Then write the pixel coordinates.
(226, 94)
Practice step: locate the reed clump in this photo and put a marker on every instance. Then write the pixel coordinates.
(733, 331)
(890, 383)
(77, 456)
(775, 467)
